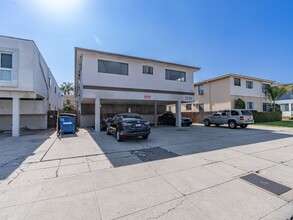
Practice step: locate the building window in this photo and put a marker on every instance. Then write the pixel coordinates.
(5, 67)
(188, 106)
(284, 107)
(249, 105)
(200, 90)
(147, 69)
(249, 84)
(266, 107)
(175, 75)
(50, 82)
(201, 107)
(264, 87)
(237, 82)
(112, 67)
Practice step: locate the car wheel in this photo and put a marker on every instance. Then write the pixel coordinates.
(118, 137)
(108, 131)
(145, 137)
(217, 125)
(232, 124)
(243, 126)
(207, 122)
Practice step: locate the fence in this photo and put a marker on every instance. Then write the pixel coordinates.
(197, 117)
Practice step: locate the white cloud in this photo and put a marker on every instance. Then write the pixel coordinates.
(98, 40)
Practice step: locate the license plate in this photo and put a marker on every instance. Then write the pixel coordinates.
(137, 125)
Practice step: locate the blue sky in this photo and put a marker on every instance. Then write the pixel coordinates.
(249, 37)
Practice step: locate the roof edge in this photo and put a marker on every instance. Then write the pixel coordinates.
(136, 58)
(233, 75)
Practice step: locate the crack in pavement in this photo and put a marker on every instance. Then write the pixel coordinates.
(169, 210)
(56, 173)
(21, 171)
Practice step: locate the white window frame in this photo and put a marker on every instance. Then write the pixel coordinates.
(264, 87)
(200, 89)
(249, 84)
(147, 70)
(267, 106)
(235, 82)
(248, 105)
(283, 107)
(7, 69)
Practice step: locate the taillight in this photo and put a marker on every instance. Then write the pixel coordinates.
(125, 124)
(241, 117)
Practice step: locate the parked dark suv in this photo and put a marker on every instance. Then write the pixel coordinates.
(128, 125)
(169, 118)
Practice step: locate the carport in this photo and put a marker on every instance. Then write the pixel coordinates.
(97, 109)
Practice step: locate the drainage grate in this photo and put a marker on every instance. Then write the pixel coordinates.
(266, 184)
(152, 154)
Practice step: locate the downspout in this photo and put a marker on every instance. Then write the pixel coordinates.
(210, 96)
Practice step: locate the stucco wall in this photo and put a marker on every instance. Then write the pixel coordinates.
(216, 95)
(256, 91)
(28, 121)
(22, 63)
(135, 77)
(26, 107)
(258, 102)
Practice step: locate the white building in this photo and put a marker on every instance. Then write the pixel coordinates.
(286, 104)
(27, 87)
(108, 83)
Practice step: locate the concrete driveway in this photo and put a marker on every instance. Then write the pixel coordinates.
(178, 173)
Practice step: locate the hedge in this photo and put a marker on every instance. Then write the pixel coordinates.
(266, 116)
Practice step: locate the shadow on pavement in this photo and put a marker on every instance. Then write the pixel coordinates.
(15, 150)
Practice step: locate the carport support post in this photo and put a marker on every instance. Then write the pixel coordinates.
(97, 114)
(178, 114)
(156, 115)
(15, 117)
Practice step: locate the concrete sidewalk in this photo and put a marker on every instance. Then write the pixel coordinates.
(91, 176)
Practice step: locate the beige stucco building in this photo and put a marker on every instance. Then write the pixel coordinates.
(221, 92)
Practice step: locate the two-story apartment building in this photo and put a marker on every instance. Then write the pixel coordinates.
(108, 83)
(27, 87)
(221, 92)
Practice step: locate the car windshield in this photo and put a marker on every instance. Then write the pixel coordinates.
(131, 116)
(246, 112)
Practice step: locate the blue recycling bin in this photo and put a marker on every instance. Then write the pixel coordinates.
(67, 124)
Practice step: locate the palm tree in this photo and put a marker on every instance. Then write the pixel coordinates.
(274, 93)
(66, 88)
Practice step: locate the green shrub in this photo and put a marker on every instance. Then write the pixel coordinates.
(266, 116)
(68, 108)
(239, 104)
